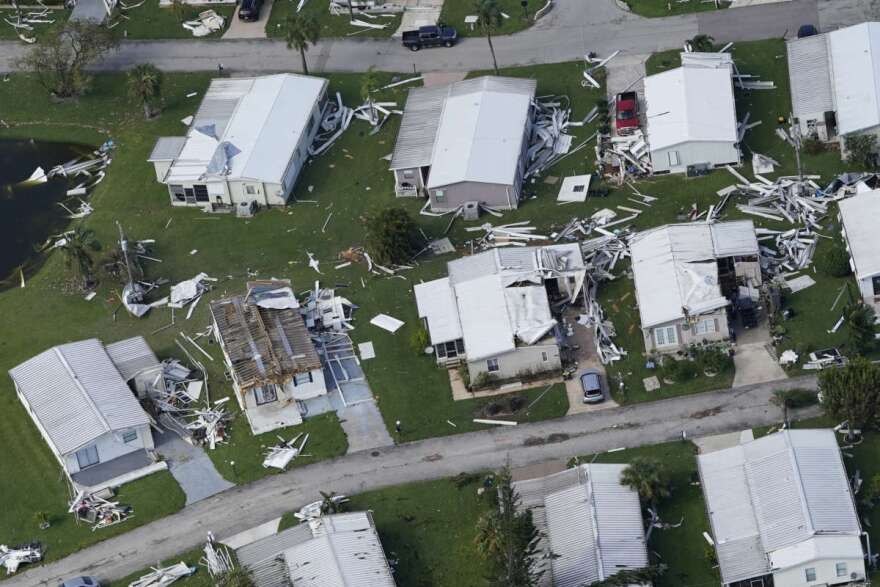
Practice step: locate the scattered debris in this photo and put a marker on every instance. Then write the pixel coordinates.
(217, 558)
(788, 357)
(825, 358)
(207, 22)
(315, 508)
(497, 422)
(280, 455)
(549, 143)
(11, 557)
(97, 511)
(324, 310)
(189, 292)
(800, 283)
(386, 322)
(163, 576)
(574, 188)
(366, 350)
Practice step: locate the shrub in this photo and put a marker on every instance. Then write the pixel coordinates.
(419, 341)
(484, 379)
(679, 371)
(861, 150)
(713, 359)
(813, 146)
(834, 261)
(464, 479)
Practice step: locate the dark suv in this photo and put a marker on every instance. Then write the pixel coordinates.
(250, 10)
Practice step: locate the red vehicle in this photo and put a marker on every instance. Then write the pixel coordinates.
(627, 106)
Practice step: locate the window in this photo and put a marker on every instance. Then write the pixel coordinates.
(544, 356)
(757, 582)
(302, 378)
(673, 158)
(440, 195)
(250, 190)
(88, 456)
(177, 192)
(876, 283)
(665, 336)
(705, 326)
(841, 569)
(451, 349)
(492, 365)
(579, 188)
(310, 125)
(201, 193)
(129, 436)
(810, 574)
(265, 395)
(407, 173)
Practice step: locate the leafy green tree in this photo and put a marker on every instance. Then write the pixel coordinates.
(370, 84)
(59, 61)
(488, 19)
(508, 539)
(861, 150)
(852, 393)
(648, 478)
(145, 86)
(392, 236)
(237, 577)
(329, 503)
(77, 249)
(301, 30)
(702, 44)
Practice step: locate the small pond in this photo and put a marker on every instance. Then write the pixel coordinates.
(30, 213)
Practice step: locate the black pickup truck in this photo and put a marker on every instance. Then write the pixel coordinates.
(430, 36)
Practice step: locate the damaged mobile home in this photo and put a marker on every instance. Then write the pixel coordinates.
(269, 353)
(338, 549)
(78, 398)
(246, 145)
(686, 275)
(465, 142)
(493, 312)
(691, 115)
(782, 512)
(591, 525)
(859, 218)
(835, 82)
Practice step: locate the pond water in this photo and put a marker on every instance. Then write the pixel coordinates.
(29, 213)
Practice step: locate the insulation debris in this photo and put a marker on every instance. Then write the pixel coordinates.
(280, 455)
(97, 511)
(163, 576)
(11, 557)
(207, 22)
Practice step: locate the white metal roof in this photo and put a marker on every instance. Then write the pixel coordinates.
(76, 394)
(436, 303)
(247, 128)
(861, 219)
(131, 356)
(517, 264)
(418, 127)
(485, 324)
(809, 72)
(331, 551)
(690, 104)
(675, 267)
(770, 494)
(855, 66)
(593, 524)
(481, 131)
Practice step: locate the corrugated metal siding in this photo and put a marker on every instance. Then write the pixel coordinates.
(570, 528)
(131, 356)
(270, 546)
(418, 128)
(777, 500)
(220, 102)
(809, 73)
(77, 395)
(829, 500)
(271, 572)
(167, 148)
(734, 239)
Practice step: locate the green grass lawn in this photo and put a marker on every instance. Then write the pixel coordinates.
(454, 11)
(331, 25)
(151, 21)
(658, 8)
(681, 549)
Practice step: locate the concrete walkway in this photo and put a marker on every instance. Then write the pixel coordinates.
(571, 29)
(88, 10)
(246, 506)
(753, 361)
(191, 468)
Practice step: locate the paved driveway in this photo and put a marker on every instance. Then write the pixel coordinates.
(190, 467)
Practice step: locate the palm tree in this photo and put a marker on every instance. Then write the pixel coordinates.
(145, 85)
(332, 503)
(236, 577)
(648, 478)
(858, 318)
(702, 44)
(301, 30)
(77, 247)
(488, 18)
(369, 84)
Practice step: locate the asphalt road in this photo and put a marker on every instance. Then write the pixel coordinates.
(243, 507)
(570, 30)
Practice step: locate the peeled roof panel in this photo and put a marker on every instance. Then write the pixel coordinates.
(484, 321)
(436, 302)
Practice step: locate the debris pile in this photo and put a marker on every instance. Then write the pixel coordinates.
(217, 558)
(337, 118)
(600, 257)
(825, 358)
(549, 143)
(324, 310)
(624, 156)
(794, 249)
(163, 576)
(135, 291)
(208, 22)
(12, 556)
(97, 511)
(24, 22)
(280, 455)
(190, 292)
(517, 234)
(317, 508)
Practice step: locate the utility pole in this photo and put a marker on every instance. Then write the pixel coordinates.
(796, 139)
